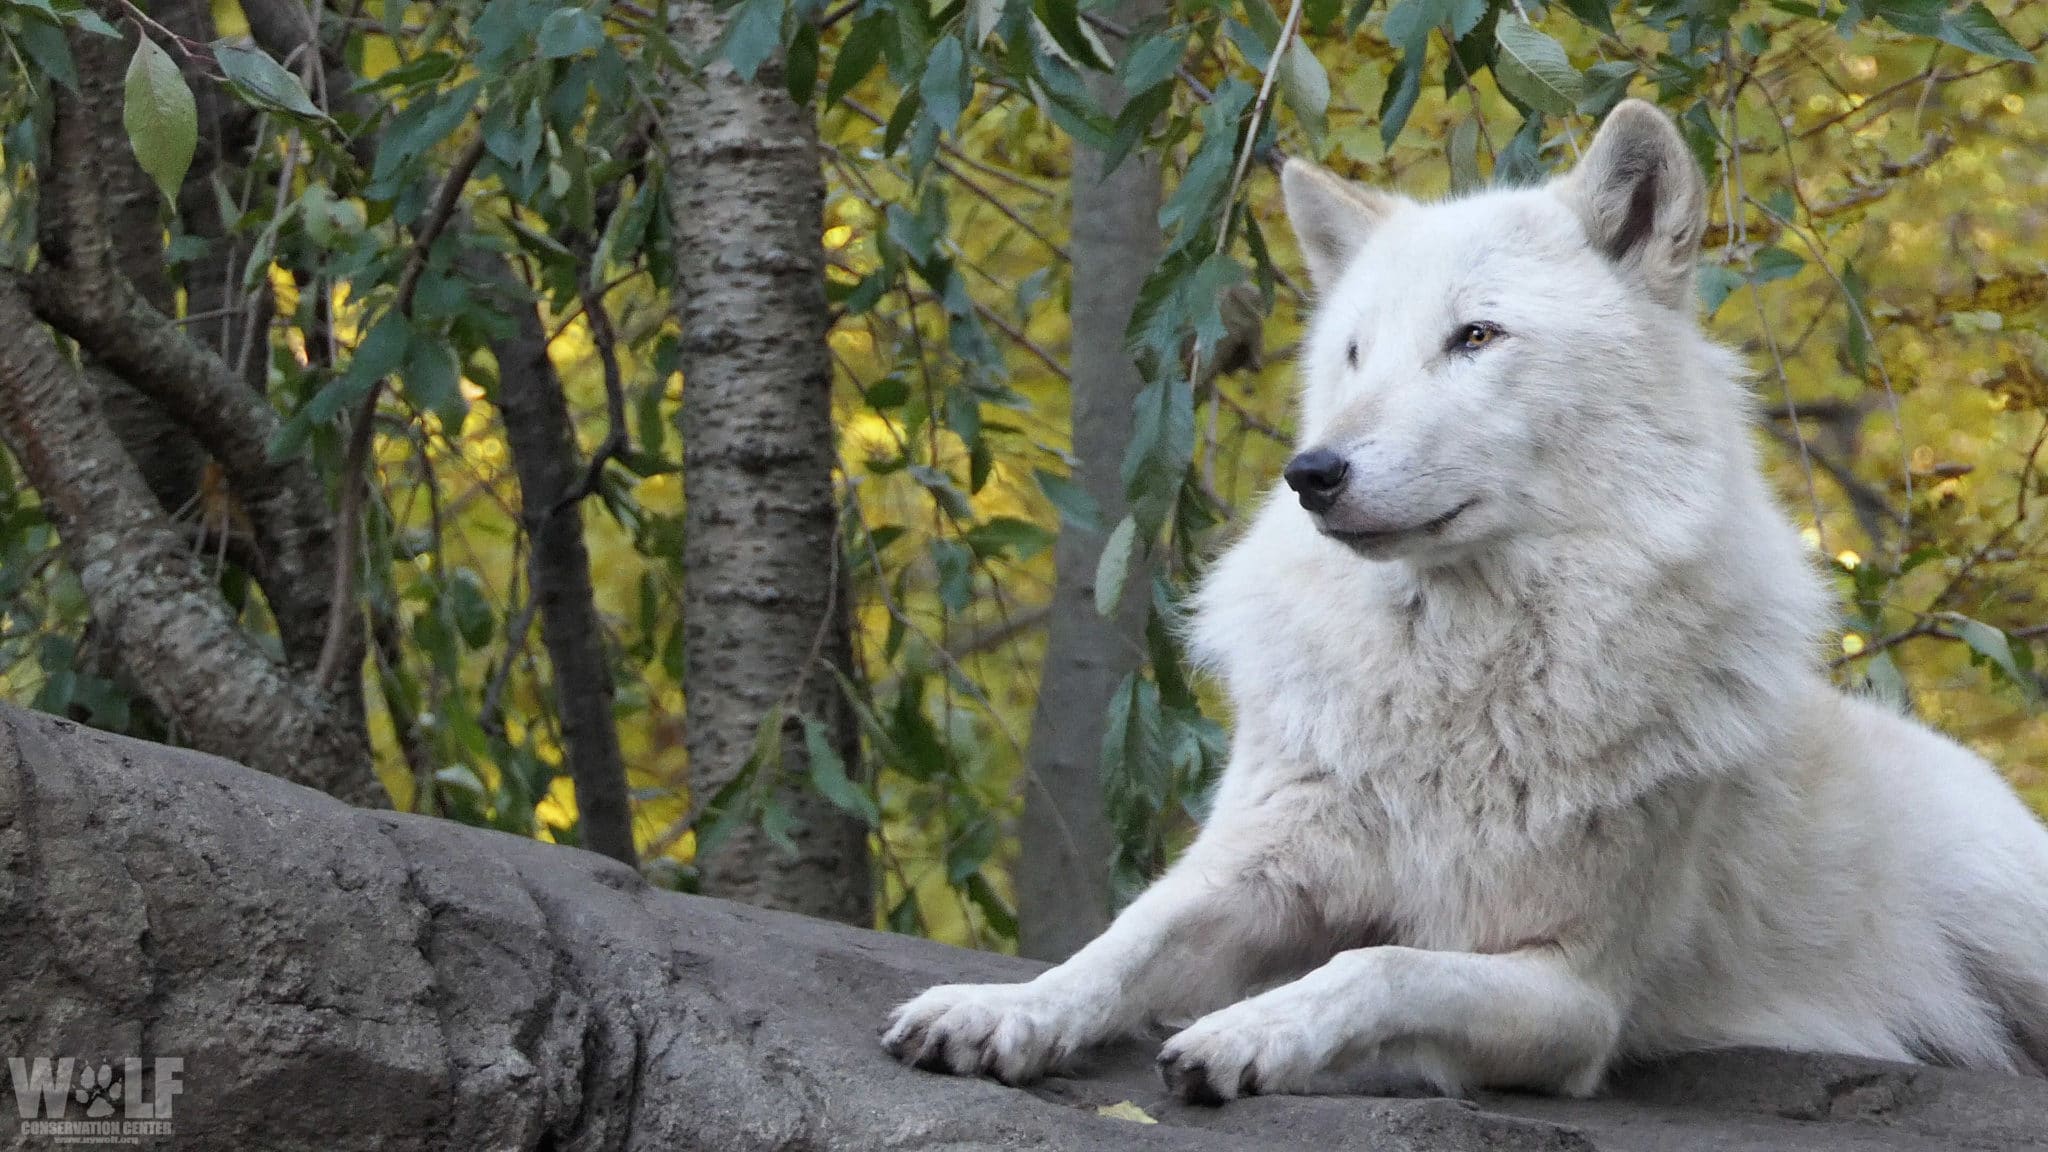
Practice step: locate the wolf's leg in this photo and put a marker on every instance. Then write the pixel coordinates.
(1227, 915)
(1458, 1019)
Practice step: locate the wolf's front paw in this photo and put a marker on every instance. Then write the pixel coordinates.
(1014, 1032)
(1242, 1050)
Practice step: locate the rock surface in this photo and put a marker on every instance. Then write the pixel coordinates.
(336, 978)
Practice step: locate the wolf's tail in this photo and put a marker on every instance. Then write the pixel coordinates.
(2003, 932)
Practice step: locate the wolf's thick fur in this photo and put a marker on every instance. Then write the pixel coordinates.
(1536, 768)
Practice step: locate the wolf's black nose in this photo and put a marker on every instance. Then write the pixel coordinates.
(1315, 476)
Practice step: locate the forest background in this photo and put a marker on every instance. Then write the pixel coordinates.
(769, 442)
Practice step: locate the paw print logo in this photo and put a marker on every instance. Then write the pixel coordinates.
(98, 1090)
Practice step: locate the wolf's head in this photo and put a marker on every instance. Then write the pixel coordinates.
(1471, 363)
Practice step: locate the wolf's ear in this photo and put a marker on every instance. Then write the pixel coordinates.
(1332, 217)
(1643, 200)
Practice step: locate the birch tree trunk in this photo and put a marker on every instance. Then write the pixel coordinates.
(764, 619)
(1063, 872)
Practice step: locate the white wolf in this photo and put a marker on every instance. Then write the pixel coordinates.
(1535, 767)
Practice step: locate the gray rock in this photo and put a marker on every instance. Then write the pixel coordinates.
(336, 978)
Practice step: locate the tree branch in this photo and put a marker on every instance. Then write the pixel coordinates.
(78, 289)
(144, 585)
(542, 437)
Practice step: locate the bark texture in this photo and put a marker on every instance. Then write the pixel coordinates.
(543, 441)
(762, 612)
(1063, 891)
(81, 291)
(340, 979)
(147, 589)
(114, 451)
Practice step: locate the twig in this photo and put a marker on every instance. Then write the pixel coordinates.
(953, 150)
(616, 440)
(361, 432)
(192, 50)
(1731, 179)
(492, 718)
(1237, 173)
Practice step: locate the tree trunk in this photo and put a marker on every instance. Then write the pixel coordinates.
(1063, 896)
(543, 442)
(764, 620)
(337, 979)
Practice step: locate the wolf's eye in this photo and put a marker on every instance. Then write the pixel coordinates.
(1474, 336)
(1351, 353)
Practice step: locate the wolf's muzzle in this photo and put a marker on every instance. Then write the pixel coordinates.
(1316, 476)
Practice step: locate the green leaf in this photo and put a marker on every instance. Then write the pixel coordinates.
(828, 775)
(1592, 13)
(1257, 51)
(1463, 16)
(1076, 507)
(1775, 263)
(985, 18)
(752, 36)
(263, 82)
(424, 123)
(943, 490)
(1113, 568)
(74, 13)
(913, 741)
(971, 849)
(888, 392)
(1264, 22)
(1716, 283)
(471, 609)
(1534, 69)
(1404, 87)
(1408, 23)
(1974, 28)
(1151, 63)
(569, 32)
(1306, 86)
(985, 897)
(1920, 17)
(944, 85)
(45, 44)
(956, 574)
(738, 799)
(908, 106)
(1162, 441)
(1062, 19)
(379, 354)
(1008, 536)
(1886, 683)
(904, 918)
(1407, 26)
(433, 382)
(1606, 84)
(800, 70)
(1993, 645)
(1855, 334)
(1463, 155)
(463, 777)
(857, 55)
(160, 116)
